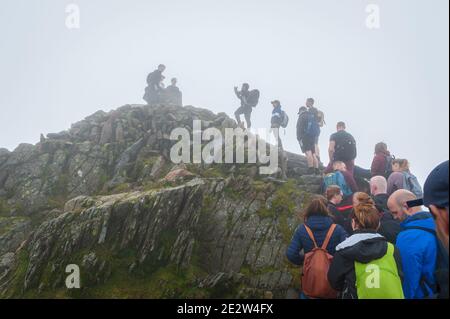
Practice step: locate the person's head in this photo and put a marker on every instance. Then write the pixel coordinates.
(398, 204)
(400, 165)
(161, 67)
(339, 166)
(302, 110)
(362, 198)
(334, 194)
(276, 103)
(245, 87)
(381, 148)
(365, 216)
(436, 197)
(340, 126)
(174, 81)
(378, 185)
(317, 207)
(310, 102)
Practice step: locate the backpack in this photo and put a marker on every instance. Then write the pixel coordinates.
(411, 183)
(284, 119)
(312, 126)
(320, 116)
(346, 151)
(315, 269)
(338, 179)
(253, 98)
(388, 167)
(379, 279)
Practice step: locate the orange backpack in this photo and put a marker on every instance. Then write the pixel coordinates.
(315, 269)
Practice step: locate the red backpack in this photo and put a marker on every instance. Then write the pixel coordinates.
(315, 269)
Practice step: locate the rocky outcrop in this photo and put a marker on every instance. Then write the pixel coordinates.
(105, 196)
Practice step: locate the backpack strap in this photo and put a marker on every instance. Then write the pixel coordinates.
(311, 235)
(329, 234)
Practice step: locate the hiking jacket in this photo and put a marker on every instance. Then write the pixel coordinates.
(154, 79)
(276, 117)
(342, 217)
(378, 167)
(395, 182)
(389, 227)
(302, 122)
(363, 247)
(301, 240)
(419, 254)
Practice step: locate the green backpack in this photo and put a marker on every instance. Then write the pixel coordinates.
(379, 279)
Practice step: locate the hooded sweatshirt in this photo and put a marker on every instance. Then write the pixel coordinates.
(361, 250)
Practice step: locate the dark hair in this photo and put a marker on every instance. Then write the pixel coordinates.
(161, 66)
(341, 124)
(246, 85)
(403, 163)
(366, 216)
(310, 100)
(381, 148)
(317, 207)
(332, 191)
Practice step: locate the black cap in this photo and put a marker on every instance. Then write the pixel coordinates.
(436, 187)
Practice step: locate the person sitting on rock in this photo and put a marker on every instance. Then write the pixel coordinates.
(173, 94)
(154, 89)
(318, 223)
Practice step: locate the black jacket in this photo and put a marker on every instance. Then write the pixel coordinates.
(389, 226)
(301, 125)
(364, 246)
(154, 79)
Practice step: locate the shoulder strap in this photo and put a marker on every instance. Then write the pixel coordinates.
(311, 235)
(329, 234)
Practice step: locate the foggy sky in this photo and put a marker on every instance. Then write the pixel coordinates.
(389, 84)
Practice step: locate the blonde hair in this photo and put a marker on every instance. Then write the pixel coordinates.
(366, 216)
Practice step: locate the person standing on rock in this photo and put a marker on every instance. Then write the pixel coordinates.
(277, 121)
(318, 230)
(342, 148)
(249, 100)
(154, 89)
(307, 139)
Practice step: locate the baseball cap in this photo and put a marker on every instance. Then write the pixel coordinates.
(436, 187)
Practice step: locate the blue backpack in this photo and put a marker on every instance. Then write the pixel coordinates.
(312, 127)
(411, 183)
(337, 179)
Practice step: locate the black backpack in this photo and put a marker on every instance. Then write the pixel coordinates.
(388, 167)
(253, 98)
(346, 150)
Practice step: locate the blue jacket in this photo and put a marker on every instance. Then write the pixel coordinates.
(319, 226)
(276, 116)
(418, 249)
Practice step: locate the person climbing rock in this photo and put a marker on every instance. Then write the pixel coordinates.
(249, 100)
(342, 148)
(417, 243)
(360, 255)
(320, 118)
(317, 228)
(153, 90)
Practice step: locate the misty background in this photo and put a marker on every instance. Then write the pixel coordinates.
(388, 84)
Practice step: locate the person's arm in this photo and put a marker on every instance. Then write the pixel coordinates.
(350, 181)
(331, 150)
(294, 249)
(238, 94)
(338, 269)
(413, 266)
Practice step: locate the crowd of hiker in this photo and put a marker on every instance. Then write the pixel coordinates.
(368, 236)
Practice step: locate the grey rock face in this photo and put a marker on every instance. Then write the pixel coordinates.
(95, 196)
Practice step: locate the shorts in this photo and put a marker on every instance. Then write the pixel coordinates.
(307, 144)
